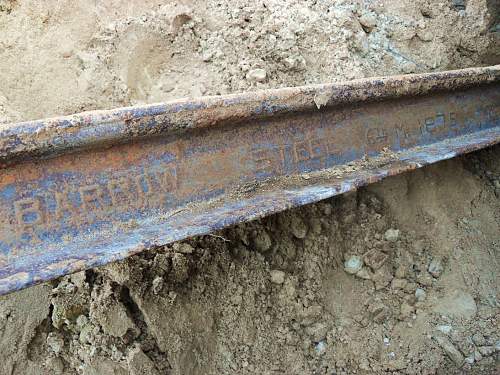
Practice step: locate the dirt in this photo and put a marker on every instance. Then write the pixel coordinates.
(400, 277)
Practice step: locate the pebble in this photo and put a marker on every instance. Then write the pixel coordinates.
(257, 75)
(180, 267)
(450, 350)
(470, 359)
(55, 342)
(277, 277)
(486, 350)
(56, 365)
(391, 235)
(182, 247)
(420, 294)
(400, 272)
(435, 267)
(298, 227)
(398, 283)
(207, 55)
(317, 332)
(382, 277)
(139, 363)
(425, 35)
(478, 339)
(425, 279)
(262, 242)
(321, 99)
(157, 285)
(458, 4)
(375, 259)
(353, 264)
(446, 329)
(406, 310)
(368, 21)
(86, 334)
(363, 273)
(320, 347)
(379, 312)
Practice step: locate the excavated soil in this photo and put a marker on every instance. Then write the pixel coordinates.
(399, 277)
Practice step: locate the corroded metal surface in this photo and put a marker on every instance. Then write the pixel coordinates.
(87, 189)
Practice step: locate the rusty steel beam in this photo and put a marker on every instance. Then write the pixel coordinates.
(84, 190)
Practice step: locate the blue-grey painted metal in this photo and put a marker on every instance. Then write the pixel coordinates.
(85, 190)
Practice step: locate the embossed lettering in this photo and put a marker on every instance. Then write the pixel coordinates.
(91, 197)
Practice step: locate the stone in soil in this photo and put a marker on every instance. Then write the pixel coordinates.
(353, 264)
(450, 350)
(435, 267)
(391, 235)
(277, 277)
(140, 364)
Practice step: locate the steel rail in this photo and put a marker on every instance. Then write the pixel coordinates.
(84, 190)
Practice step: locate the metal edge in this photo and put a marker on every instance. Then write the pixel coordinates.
(51, 137)
(256, 207)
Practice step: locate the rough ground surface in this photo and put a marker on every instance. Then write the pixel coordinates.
(400, 277)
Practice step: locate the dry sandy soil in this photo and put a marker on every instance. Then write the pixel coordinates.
(271, 296)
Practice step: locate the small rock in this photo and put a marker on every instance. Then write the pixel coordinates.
(182, 247)
(420, 294)
(162, 263)
(353, 264)
(317, 332)
(400, 272)
(379, 312)
(321, 98)
(406, 310)
(115, 321)
(469, 359)
(398, 283)
(298, 227)
(180, 267)
(55, 342)
(375, 259)
(446, 329)
(277, 277)
(262, 241)
(458, 4)
(486, 350)
(55, 364)
(450, 350)
(86, 334)
(320, 347)
(157, 284)
(425, 279)
(257, 75)
(391, 235)
(82, 321)
(363, 273)
(368, 21)
(140, 364)
(425, 35)
(435, 267)
(206, 55)
(478, 339)
(382, 277)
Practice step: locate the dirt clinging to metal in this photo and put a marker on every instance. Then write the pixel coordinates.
(398, 277)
